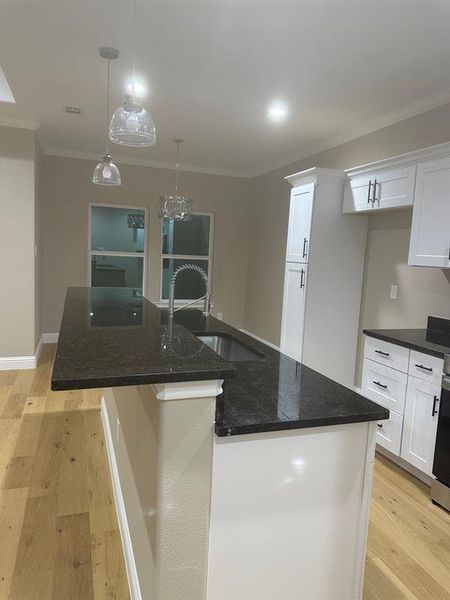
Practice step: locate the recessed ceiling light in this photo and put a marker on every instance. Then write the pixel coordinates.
(5, 91)
(277, 112)
(137, 89)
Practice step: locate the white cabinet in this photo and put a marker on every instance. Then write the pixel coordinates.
(380, 191)
(299, 231)
(389, 432)
(294, 310)
(420, 423)
(430, 232)
(384, 385)
(323, 276)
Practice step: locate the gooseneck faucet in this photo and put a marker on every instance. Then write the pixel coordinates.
(206, 298)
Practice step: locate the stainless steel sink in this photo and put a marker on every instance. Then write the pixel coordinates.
(228, 347)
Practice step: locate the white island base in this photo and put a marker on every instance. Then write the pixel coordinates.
(263, 516)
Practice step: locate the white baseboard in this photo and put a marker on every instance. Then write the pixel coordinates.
(260, 339)
(50, 338)
(130, 564)
(8, 363)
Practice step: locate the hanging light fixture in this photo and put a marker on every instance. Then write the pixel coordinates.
(131, 124)
(176, 206)
(106, 172)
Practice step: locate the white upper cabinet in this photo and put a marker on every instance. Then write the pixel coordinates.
(299, 231)
(392, 188)
(430, 233)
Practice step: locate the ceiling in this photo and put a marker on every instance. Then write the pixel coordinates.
(212, 67)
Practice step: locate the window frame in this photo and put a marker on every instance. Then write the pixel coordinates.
(187, 258)
(143, 255)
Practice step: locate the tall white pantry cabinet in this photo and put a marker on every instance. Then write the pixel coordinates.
(323, 275)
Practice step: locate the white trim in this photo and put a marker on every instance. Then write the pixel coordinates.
(18, 123)
(260, 339)
(415, 108)
(50, 338)
(400, 462)
(130, 564)
(404, 160)
(313, 175)
(185, 390)
(8, 363)
(144, 162)
(144, 255)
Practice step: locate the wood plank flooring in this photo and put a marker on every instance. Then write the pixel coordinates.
(59, 537)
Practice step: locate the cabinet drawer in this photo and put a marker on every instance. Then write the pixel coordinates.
(426, 367)
(389, 433)
(387, 354)
(384, 385)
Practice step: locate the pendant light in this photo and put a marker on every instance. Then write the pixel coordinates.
(131, 125)
(106, 172)
(176, 206)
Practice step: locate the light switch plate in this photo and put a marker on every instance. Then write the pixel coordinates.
(394, 291)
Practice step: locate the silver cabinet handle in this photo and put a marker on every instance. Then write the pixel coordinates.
(369, 199)
(305, 245)
(375, 199)
(302, 279)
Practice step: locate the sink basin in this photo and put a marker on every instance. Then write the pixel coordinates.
(228, 347)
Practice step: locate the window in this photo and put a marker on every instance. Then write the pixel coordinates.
(117, 250)
(186, 242)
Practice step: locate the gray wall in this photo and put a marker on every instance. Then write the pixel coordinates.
(67, 193)
(17, 240)
(422, 291)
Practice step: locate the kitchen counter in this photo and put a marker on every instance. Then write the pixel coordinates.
(110, 338)
(434, 340)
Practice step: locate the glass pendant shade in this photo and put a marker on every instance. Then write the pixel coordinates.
(176, 207)
(106, 172)
(132, 125)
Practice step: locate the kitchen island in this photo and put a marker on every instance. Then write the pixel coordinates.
(247, 478)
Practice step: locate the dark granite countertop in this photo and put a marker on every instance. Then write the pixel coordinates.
(109, 337)
(434, 340)
(113, 336)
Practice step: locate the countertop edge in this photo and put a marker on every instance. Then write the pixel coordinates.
(385, 337)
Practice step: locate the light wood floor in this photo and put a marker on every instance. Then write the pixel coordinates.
(59, 536)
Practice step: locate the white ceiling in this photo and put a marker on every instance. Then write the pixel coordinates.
(212, 67)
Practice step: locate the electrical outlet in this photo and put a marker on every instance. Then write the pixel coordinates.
(394, 291)
(118, 432)
(220, 316)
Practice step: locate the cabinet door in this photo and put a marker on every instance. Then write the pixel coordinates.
(300, 215)
(420, 423)
(394, 189)
(294, 310)
(358, 194)
(430, 231)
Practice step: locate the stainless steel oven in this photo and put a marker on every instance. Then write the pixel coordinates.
(440, 488)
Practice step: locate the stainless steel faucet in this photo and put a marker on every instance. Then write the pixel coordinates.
(206, 298)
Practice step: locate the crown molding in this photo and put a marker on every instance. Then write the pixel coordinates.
(415, 108)
(18, 123)
(315, 174)
(144, 162)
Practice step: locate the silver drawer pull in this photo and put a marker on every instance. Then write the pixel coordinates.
(424, 367)
(381, 385)
(382, 353)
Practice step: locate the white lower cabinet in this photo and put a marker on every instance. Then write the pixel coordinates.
(294, 310)
(411, 392)
(389, 433)
(420, 423)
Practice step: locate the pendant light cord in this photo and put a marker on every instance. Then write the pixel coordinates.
(177, 164)
(107, 111)
(133, 50)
